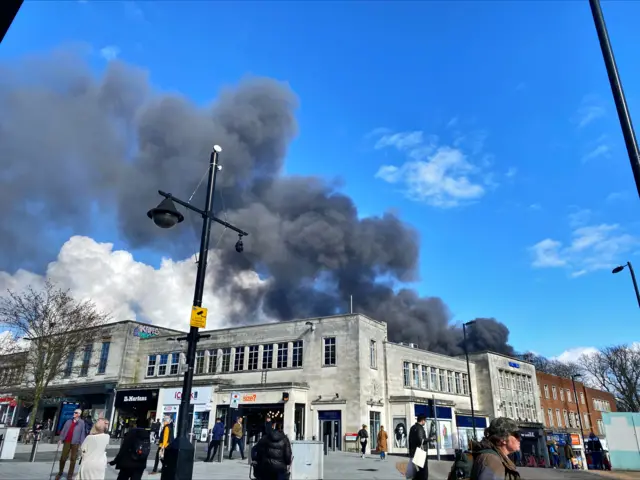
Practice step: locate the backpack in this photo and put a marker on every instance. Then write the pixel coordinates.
(463, 463)
(141, 449)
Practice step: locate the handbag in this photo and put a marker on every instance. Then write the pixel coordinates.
(411, 472)
(161, 453)
(419, 458)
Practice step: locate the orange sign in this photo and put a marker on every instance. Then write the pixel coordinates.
(249, 398)
(575, 439)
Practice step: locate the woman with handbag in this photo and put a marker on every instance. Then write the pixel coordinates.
(166, 436)
(93, 463)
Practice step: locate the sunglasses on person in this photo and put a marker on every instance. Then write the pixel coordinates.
(76, 413)
(516, 435)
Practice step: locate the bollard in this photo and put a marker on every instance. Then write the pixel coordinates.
(34, 449)
(335, 443)
(219, 452)
(326, 444)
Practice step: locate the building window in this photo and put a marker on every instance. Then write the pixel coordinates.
(424, 381)
(86, 360)
(162, 365)
(104, 356)
(373, 354)
(554, 392)
(174, 368)
(296, 354)
(550, 413)
(576, 419)
(283, 355)
(226, 359)
(450, 386)
(600, 427)
(530, 384)
(558, 418)
(213, 360)
(406, 374)
(68, 368)
(607, 406)
(465, 384)
(443, 381)
(416, 376)
(546, 391)
(501, 378)
(569, 396)
(253, 357)
(582, 398)
(199, 362)
(238, 365)
(267, 356)
(566, 418)
(151, 365)
(434, 378)
(571, 420)
(586, 424)
(329, 351)
(561, 395)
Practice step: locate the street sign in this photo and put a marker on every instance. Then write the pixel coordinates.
(235, 400)
(198, 317)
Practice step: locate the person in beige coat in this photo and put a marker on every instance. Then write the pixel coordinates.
(382, 443)
(94, 453)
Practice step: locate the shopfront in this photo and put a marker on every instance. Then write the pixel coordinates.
(8, 407)
(532, 445)
(560, 441)
(201, 399)
(134, 405)
(439, 425)
(464, 427)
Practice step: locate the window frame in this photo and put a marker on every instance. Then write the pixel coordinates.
(332, 347)
(104, 357)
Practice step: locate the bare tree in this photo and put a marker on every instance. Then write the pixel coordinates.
(552, 367)
(57, 327)
(616, 370)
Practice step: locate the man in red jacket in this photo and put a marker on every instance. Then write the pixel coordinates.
(72, 435)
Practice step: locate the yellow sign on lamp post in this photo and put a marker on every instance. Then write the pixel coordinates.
(198, 317)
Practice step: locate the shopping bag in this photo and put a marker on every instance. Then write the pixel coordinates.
(411, 472)
(419, 458)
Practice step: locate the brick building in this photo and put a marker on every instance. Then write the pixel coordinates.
(562, 410)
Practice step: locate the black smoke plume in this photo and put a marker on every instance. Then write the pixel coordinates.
(72, 145)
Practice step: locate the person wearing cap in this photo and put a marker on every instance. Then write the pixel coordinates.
(71, 437)
(491, 456)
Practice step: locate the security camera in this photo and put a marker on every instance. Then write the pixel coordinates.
(239, 245)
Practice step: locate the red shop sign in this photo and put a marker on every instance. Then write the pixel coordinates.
(7, 400)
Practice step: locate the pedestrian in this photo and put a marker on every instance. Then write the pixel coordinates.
(94, 453)
(568, 456)
(236, 438)
(273, 455)
(268, 425)
(418, 440)
(132, 457)
(155, 430)
(363, 436)
(166, 437)
(491, 455)
(382, 442)
(71, 437)
(216, 437)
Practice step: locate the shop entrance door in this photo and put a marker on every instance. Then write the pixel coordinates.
(331, 428)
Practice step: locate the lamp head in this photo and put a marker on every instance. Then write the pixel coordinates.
(239, 245)
(618, 269)
(165, 215)
(472, 322)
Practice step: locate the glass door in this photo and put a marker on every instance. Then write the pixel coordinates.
(374, 428)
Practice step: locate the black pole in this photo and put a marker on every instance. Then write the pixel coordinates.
(179, 456)
(575, 394)
(618, 93)
(466, 354)
(635, 284)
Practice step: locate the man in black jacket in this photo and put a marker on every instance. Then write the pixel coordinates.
(274, 456)
(418, 439)
(131, 459)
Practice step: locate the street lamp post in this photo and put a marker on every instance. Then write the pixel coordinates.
(466, 354)
(618, 93)
(178, 458)
(575, 394)
(619, 268)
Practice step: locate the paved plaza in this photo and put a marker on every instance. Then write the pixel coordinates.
(337, 466)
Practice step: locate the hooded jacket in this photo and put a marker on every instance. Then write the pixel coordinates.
(491, 464)
(273, 453)
(124, 459)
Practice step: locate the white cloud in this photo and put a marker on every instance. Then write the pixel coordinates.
(110, 52)
(438, 175)
(592, 248)
(573, 354)
(590, 111)
(601, 150)
(512, 172)
(579, 217)
(131, 290)
(614, 197)
(535, 206)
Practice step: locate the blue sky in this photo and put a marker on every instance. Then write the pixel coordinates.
(490, 126)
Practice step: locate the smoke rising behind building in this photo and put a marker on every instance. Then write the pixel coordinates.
(73, 145)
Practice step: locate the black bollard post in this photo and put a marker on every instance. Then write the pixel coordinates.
(326, 444)
(34, 449)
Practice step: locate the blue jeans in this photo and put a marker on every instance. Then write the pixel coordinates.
(382, 455)
(236, 441)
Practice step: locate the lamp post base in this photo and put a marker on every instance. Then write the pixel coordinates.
(178, 460)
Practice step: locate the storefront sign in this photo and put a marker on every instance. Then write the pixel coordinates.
(527, 434)
(249, 398)
(194, 395)
(173, 396)
(514, 364)
(575, 439)
(10, 400)
(145, 331)
(135, 397)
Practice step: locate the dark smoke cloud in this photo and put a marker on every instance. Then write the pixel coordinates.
(71, 144)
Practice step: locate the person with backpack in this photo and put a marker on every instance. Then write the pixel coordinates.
(132, 457)
(363, 436)
(166, 437)
(273, 455)
(491, 455)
